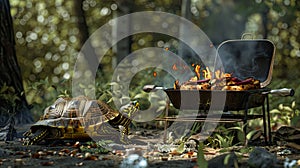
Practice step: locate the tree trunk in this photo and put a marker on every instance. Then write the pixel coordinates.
(82, 25)
(13, 104)
(84, 34)
(122, 47)
(184, 51)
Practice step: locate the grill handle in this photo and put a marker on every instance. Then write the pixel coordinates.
(150, 88)
(284, 92)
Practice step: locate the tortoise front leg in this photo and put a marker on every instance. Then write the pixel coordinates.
(34, 138)
(27, 133)
(123, 131)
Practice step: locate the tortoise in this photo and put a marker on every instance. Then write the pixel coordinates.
(79, 118)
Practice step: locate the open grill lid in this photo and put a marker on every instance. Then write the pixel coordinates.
(247, 58)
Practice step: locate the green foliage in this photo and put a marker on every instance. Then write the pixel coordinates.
(100, 147)
(224, 141)
(201, 162)
(8, 98)
(286, 115)
(228, 137)
(180, 149)
(242, 136)
(246, 150)
(222, 138)
(42, 93)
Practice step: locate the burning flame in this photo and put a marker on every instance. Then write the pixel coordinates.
(197, 71)
(206, 73)
(221, 81)
(226, 75)
(176, 84)
(220, 75)
(174, 67)
(154, 74)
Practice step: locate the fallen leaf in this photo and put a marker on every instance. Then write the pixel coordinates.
(77, 144)
(19, 162)
(50, 152)
(61, 153)
(194, 160)
(164, 158)
(41, 153)
(50, 163)
(35, 156)
(78, 155)
(73, 152)
(65, 150)
(191, 154)
(119, 153)
(3, 160)
(91, 158)
(79, 164)
(20, 153)
(185, 156)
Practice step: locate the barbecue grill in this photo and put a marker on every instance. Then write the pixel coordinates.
(242, 59)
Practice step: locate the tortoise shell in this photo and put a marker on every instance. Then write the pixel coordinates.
(77, 118)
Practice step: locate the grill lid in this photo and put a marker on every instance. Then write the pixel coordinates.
(247, 58)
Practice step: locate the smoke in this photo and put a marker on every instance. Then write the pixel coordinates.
(247, 58)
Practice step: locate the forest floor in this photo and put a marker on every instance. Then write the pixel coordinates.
(75, 154)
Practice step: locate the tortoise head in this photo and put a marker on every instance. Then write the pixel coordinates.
(130, 108)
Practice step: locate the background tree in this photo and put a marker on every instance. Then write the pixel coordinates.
(13, 102)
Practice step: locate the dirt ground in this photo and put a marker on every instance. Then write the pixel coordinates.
(70, 154)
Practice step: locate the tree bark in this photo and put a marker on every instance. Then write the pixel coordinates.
(13, 107)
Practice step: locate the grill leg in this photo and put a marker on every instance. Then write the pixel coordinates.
(264, 124)
(166, 120)
(245, 121)
(269, 121)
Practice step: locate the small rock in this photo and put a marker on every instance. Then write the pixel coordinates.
(289, 163)
(5, 152)
(261, 158)
(134, 161)
(285, 152)
(79, 164)
(130, 151)
(116, 146)
(138, 133)
(87, 155)
(224, 160)
(164, 148)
